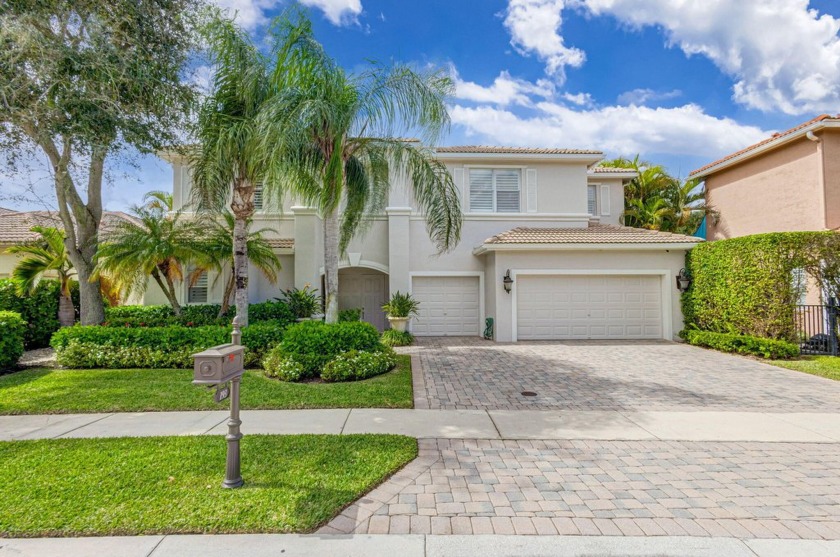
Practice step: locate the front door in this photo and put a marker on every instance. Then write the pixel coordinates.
(364, 290)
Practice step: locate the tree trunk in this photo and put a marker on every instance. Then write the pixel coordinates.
(167, 291)
(91, 306)
(226, 298)
(242, 207)
(66, 311)
(331, 238)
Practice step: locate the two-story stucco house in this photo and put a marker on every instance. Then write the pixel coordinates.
(788, 182)
(547, 218)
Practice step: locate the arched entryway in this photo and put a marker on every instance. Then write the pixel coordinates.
(364, 288)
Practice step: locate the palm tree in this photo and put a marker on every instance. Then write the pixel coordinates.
(219, 245)
(225, 163)
(331, 139)
(650, 213)
(156, 242)
(44, 255)
(687, 206)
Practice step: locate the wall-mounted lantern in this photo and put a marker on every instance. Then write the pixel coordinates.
(683, 280)
(507, 282)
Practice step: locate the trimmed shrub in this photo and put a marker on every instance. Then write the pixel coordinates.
(39, 310)
(355, 365)
(313, 343)
(12, 333)
(121, 347)
(282, 367)
(354, 314)
(745, 285)
(742, 344)
(195, 315)
(397, 338)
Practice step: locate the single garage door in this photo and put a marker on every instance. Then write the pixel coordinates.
(449, 306)
(588, 307)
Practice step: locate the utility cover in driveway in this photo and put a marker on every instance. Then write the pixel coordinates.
(555, 307)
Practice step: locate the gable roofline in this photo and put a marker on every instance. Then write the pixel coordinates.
(776, 140)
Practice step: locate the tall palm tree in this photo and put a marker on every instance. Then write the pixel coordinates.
(226, 167)
(650, 213)
(332, 139)
(219, 246)
(687, 206)
(46, 254)
(156, 242)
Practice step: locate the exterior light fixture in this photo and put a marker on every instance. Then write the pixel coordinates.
(683, 280)
(507, 282)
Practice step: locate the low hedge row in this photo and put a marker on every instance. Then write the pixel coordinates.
(742, 344)
(172, 346)
(12, 333)
(197, 315)
(39, 309)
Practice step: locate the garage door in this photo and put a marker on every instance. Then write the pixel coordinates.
(588, 307)
(449, 306)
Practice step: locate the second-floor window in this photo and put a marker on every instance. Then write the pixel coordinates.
(494, 190)
(592, 199)
(258, 197)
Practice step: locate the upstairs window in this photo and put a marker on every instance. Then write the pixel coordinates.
(197, 293)
(494, 190)
(592, 199)
(258, 197)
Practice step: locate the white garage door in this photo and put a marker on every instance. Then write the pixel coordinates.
(449, 306)
(588, 307)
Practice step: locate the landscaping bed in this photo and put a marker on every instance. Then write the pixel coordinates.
(823, 366)
(48, 391)
(169, 485)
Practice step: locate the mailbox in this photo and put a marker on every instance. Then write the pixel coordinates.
(219, 364)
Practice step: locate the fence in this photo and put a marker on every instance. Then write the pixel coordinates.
(817, 328)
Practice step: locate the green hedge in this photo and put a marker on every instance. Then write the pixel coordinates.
(312, 344)
(12, 332)
(742, 344)
(196, 315)
(355, 365)
(39, 310)
(745, 285)
(153, 347)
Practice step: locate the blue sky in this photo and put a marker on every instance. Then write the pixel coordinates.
(681, 82)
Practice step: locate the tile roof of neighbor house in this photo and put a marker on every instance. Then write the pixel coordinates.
(612, 170)
(594, 234)
(15, 227)
(756, 146)
(4, 211)
(514, 150)
(281, 243)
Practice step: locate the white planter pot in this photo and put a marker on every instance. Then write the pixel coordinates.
(399, 324)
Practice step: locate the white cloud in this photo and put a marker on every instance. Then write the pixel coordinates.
(504, 91)
(644, 96)
(534, 26)
(626, 130)
(339, 12)
(250, 14)
(580, 99)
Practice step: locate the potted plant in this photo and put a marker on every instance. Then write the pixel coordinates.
(400, 309)
(304, 302)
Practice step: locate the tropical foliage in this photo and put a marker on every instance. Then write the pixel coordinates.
(333, 138)
(12, 329)
(658, 201)
(46, 255)
(401, 305)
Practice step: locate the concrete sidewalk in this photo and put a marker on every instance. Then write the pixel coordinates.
(445, 424)
(265, 545)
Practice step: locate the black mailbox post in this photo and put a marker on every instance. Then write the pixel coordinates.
(216, 367)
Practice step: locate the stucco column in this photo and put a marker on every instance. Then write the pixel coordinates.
(307, 247)
(398, 246)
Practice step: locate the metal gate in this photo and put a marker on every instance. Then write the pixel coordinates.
(817, 328)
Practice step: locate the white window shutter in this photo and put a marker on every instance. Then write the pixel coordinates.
(458, 178)
(531, 190)
(605, 201)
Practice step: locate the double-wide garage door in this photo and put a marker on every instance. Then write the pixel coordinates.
(551, 307)
(449, 306)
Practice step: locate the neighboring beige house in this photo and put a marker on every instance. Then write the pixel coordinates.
(546, 217)
(788, 182)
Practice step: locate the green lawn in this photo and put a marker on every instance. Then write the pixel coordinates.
(48, 391)
(824, 366)
(161, 485)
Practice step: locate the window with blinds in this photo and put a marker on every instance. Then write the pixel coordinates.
(258, 197)
(197, 293)
(495, 190)
(592, 199)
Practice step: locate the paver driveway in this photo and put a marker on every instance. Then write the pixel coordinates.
(471, 373)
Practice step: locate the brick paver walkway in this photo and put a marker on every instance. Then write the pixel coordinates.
(656, 488)
(471, 373)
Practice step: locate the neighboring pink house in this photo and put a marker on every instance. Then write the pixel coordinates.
(788, 182)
